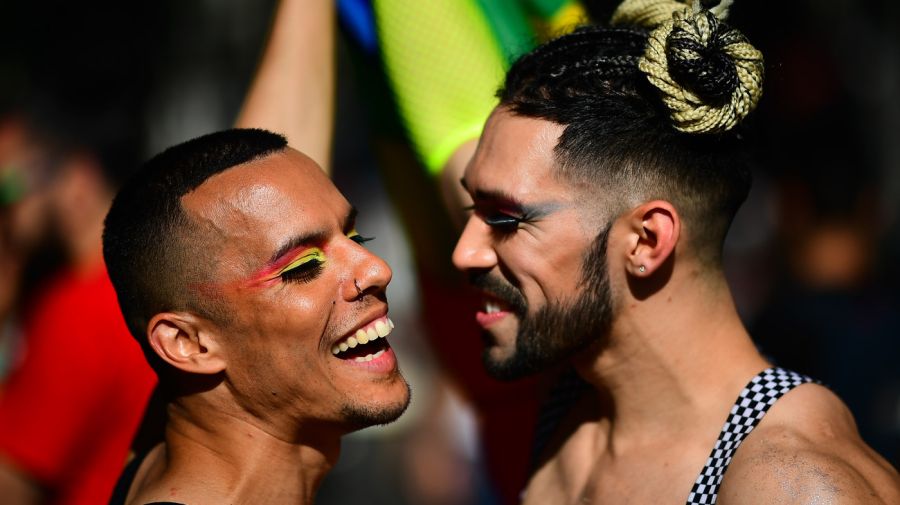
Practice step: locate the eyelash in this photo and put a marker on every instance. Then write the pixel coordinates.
(500, 222)
(304, 272)
(359, 239)
(310, 269)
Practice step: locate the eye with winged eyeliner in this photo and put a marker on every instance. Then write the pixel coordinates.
(503, 214)
(359, 239)
(304, 267)
(302, 258)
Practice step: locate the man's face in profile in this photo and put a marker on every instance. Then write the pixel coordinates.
(302, 302)
(538, 257)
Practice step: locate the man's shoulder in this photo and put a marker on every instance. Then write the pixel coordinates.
(808, 448)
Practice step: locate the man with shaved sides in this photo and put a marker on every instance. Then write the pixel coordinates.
(239, 269)
(603, 186)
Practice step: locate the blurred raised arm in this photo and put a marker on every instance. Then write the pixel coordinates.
(293, 90)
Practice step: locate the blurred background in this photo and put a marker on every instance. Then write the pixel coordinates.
(812, 256)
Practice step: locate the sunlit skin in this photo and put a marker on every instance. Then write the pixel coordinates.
(290, 260)
(292, 277)
(670, 363)
(525, 226)
(274, 219)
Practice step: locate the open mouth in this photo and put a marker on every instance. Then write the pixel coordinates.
(492, 310)
(367, 343)
(493, 305)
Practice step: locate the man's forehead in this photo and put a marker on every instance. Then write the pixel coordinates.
(257, 204)
(515, 154)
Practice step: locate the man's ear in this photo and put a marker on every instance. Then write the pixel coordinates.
(654, 230)
(186, 342)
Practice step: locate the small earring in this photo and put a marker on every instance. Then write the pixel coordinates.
(642, 269)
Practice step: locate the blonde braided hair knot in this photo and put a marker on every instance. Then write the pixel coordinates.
(710, 76)
(646, 13)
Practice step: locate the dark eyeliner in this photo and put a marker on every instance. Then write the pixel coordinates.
(503, 221)
(303, 273)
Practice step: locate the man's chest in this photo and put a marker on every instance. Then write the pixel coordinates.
(648, 475)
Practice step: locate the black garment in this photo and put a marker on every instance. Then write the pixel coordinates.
(120, 493)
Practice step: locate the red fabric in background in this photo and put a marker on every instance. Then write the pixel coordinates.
(507, 411)
(69, 411)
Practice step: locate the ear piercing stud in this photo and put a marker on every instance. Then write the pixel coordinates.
(642, 269)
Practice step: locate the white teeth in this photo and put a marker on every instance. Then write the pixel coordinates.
(491, 307)
(381, 328)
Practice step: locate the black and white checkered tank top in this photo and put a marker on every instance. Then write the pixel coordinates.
(752, 404)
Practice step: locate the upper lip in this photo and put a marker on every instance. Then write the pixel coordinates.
(367, 320)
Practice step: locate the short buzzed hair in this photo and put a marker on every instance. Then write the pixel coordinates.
(148, 240)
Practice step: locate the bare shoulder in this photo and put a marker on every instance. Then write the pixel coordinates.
(807, 450)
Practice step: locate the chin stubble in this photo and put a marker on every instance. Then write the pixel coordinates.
(361, 416)
(556, 332)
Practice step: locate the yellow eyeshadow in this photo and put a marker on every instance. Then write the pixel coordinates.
(307, 256)
(353, 233)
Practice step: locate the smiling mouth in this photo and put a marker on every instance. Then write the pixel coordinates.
(367, 343)
(492, 304)
(492, 310)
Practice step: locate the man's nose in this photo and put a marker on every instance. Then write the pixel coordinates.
(474, 250)
(370, 275)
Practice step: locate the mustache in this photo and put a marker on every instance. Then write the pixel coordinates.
(500, 289)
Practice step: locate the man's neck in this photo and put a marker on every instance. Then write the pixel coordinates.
(218, 457)
(672, 363)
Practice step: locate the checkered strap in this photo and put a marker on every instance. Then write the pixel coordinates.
(752, 404)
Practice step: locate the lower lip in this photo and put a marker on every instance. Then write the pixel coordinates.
(386, 363)
(486, 319)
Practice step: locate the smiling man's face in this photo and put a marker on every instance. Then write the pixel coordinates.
(530, 245)
(304, 305)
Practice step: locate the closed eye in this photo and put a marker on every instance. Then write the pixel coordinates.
(305, 268)
(500, 222)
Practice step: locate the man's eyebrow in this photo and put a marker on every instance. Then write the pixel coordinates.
(497, 197)
(311, 238)
(305, 240)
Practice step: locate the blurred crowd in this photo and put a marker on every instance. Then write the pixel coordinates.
(89, 90)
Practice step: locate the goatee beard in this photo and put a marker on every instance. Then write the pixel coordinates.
(556, 332)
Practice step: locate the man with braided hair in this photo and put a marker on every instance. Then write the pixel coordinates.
(604, 185)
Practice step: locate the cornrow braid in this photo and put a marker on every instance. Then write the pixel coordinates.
(550, 68)
(627, 137)
(580, 47)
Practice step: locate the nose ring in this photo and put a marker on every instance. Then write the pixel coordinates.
(356, 285)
